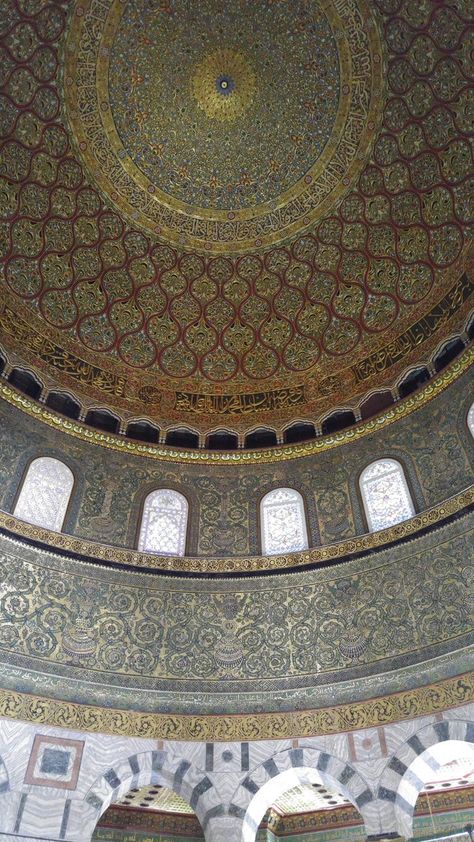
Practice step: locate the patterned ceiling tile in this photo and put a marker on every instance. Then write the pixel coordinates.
(157, 798)
(308, 798)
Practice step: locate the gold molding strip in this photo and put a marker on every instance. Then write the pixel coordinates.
(59, 541)
(242, 457)
(407, 704)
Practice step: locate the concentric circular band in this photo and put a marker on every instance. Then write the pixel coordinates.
(217, 229)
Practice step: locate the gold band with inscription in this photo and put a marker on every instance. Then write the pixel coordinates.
(408, 704)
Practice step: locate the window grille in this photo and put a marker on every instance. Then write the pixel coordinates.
(45, 493)
(283, 522)
(470, 420)
(164, 523)
(385, 493)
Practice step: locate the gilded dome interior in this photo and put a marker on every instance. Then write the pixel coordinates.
(239, 227)
(232, 217)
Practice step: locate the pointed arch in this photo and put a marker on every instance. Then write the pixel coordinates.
(150, 768)
(264, 784)
(416, 760)
(45, 493)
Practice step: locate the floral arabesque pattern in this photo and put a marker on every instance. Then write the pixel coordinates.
(129, 300)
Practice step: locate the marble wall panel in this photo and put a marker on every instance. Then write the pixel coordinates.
(110, 766)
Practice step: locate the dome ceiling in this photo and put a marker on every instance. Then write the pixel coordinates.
(223, 128)
(232, 218)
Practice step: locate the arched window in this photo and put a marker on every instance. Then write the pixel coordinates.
(45, 493)
(283, 522)
(386, 496)
(164, 522)
(470, 419)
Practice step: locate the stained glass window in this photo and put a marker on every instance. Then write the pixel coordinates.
(45, 493)
(385, 493)
(470, 419)
(164, 522)
(283, 522)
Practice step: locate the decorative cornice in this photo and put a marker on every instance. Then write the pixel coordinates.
(242, 457)
(423, 701)
(247, 564)
(119, 817)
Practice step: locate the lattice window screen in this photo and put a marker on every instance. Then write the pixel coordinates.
(470, 420)
(164, 522)
(386, 496)
(45, 493)
(283, 522)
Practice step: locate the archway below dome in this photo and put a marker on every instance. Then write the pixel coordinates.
(149, 814)
(444, 767)
(312, 813)
(296, 780)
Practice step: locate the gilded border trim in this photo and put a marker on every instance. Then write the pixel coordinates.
(243, 457)
(60, 541)
(422, 701)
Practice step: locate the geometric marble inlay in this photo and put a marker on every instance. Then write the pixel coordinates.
(54, 761)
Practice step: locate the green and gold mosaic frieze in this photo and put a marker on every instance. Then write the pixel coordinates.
(434, 698)
(161, 642)
(341, 550)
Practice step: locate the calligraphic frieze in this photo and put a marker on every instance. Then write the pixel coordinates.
(85, 373)
(418, 333)
(288, 182)
(242, 404)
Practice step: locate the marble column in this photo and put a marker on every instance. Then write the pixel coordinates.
(224, 829)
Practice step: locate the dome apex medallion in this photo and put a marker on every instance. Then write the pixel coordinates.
(221, 129)
(224, 84)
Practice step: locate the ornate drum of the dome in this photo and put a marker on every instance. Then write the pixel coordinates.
(236, 421)
(352, 610)
(160, 508)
